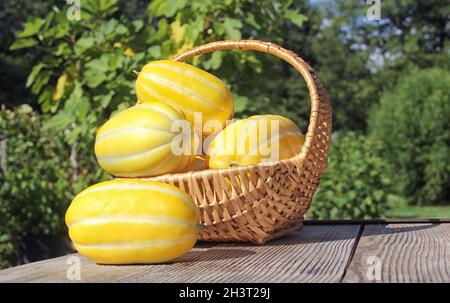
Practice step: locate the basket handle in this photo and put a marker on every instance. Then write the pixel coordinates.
(318, 136)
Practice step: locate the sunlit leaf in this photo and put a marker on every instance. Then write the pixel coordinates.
(83, 44)
(214, 62)
(23, 43)
(60, 87)
(155, 51)
(171, 7)
(34, 72)
(40, 81)
(59, 121)
(32, 27)
(295, 16)
(232, 28)
(240, 103)
(128, 52)
(177, 31)
(250, 19)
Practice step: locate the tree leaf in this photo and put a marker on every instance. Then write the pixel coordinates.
(250, 19)
(137, 25)
(155, 51)
(94, 78)
(57, 31)
(232, 28)
(60, 87)
(171, 7)
(108, 27)
(214, 62)
(96, 71)
(59, 121)
(156, 8)
(107, 6)
(128, 52)
(83, 44)
(23, 43)
(240, 103)
(40, 81)
(122, 30)
(83, 109)
(73, 134)
(177, 31)
(34, 72)
(32, 27)
(194, 29)
(105, 99)
(295, 17)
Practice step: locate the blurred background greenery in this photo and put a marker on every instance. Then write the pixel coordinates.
(388, 82)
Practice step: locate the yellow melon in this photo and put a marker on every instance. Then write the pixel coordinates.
(188, 89)
(132, 221)
(261, 138)
(140, 142)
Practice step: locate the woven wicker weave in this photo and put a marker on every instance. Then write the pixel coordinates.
(261, 202)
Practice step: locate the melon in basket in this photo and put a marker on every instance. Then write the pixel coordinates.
(188, 89)
(256, 139)
(139, 141)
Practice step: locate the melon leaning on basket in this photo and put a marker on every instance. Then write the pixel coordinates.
(176, 182)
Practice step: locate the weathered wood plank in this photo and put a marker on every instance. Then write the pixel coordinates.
(402, 253)
(314, 254)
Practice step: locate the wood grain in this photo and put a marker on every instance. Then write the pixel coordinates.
(402, 253)
(314, 254)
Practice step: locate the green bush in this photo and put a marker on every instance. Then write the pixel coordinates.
(356, 184)
(40, 173)
(413, 122)
(9, 252)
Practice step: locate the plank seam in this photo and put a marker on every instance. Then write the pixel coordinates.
(352, 252)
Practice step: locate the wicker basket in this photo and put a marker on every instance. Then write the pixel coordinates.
(258, 203)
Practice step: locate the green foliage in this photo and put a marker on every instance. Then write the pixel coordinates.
(413, 122)
(356, 184)
(39, 176)
(374, 54)
(86, 68)
(8, 252)
(86, 72)
(15, 65)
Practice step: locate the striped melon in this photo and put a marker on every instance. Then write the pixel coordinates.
(139, 142)
(254, 140)
(129, 221)
(188, 89)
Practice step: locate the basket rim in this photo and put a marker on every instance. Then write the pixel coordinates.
(205, 172)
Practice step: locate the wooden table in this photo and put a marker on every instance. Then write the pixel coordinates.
(323, 251)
